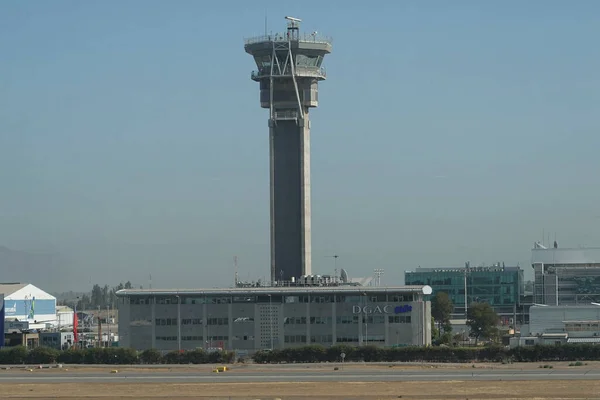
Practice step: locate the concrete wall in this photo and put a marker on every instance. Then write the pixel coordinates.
(290, 199)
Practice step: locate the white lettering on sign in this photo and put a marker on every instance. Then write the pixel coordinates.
(371, 310)
(388, 309)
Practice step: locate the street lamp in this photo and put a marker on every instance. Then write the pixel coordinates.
(178, 323)
(271, 315)
(366, 317)
(208, 339)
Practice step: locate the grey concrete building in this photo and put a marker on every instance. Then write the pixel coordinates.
(289, 69)
(250, 319)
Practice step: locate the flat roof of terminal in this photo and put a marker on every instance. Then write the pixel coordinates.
(422, 289)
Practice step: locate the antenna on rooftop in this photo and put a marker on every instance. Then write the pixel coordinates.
(235, 271)
(378, 273)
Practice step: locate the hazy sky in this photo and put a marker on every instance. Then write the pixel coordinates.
(132, 141)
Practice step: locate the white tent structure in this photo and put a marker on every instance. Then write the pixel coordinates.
(26, 302)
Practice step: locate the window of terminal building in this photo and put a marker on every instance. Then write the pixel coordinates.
(166, 300)
(218, 300)
(398, 298)
(191, 338)
(244, 299)
(294, 338)
(191, 321)
(375, 338)
(399, 319)
(139, 300)
(166, 321)
(269, 299)
(374, 319)
(347, 339)
(193, 300)
(167, 338)
(217, 338)
(243, 319)
(321, 299)
(348, 299)
(321, 320)
(321, 338)
(245, 337)
(347, 319)
(294, 321)
(217, 321)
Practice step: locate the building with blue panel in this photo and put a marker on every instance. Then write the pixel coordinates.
(260, 318)
(28, 303)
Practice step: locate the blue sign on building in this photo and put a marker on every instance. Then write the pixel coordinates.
(403, 309)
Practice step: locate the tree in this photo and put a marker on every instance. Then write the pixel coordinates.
(441, 309)
(434, 331)
(482, 321)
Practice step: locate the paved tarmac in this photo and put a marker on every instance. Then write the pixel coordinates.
(59, 376)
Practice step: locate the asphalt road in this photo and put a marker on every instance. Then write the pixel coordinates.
(294, 376)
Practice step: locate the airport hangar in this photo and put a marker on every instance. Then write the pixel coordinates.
(259, 318)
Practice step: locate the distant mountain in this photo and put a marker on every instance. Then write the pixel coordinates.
(44, 270)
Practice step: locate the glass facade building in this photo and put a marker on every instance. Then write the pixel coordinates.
(500, 286)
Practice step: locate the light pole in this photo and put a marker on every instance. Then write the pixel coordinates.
(271, 315)
(76, 328)
(208, 340)
(107, 326)
(178, 323)
(366, 317)
(335, 257)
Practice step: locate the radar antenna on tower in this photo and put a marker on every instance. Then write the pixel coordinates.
(343, 276)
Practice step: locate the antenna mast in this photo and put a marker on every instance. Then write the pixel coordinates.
(235, 273)
(378, 273)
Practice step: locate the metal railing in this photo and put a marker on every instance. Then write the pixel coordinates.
(287, 114)
(282, 37)
(316, 72)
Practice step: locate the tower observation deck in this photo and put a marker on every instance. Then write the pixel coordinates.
(289, 69)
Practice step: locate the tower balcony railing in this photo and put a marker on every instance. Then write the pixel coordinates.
(283, 37)
(286, 115)
(316, 72)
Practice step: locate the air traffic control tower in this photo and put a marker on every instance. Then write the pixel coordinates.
(289, 71)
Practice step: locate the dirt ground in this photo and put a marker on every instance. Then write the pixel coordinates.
(294, 391)
(588, 365)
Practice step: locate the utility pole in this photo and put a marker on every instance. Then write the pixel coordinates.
(271, 315)
(467, 265)
(178, 323)
(366, 317)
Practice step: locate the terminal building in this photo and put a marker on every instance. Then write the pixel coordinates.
(565, 276)
(257, 318)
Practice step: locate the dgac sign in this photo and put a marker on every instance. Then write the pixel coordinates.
(381, 310)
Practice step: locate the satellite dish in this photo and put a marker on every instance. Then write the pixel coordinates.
(343, 276)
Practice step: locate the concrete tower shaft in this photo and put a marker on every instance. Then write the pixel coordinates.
(289, 69)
